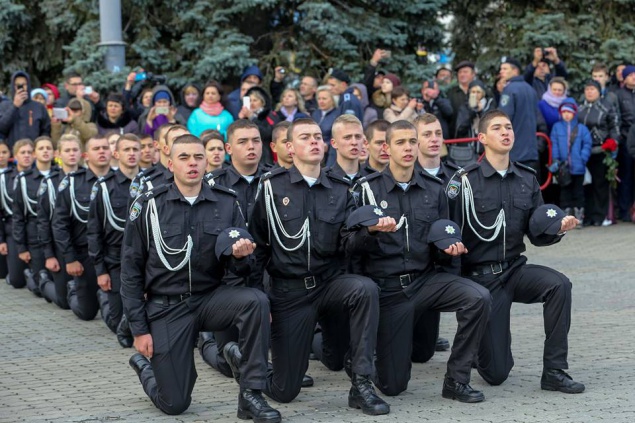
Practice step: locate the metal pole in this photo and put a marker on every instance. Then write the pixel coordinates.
(111, 36)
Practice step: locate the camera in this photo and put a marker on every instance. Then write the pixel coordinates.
(21, 87)
(150, 77)
(545, 53)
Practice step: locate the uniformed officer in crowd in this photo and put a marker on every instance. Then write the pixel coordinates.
(106, 222)
(171, 285)
(494, 200)
(146, 159)
(69, 229)
(69, 151)
(375, 142)
(7, 174)
(278, 145)
(296, 224)
(396, 254)
(25, 204)
(348, 142)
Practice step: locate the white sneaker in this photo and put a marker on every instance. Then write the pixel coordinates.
(607, 222)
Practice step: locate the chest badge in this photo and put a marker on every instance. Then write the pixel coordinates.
(453, 189)
(384, 204)
(285, 201)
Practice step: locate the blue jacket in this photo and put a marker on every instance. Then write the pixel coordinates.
(519, 101)
(326, 122)
(550, 113)
(349, 104)
(199, 121)
(580, 150)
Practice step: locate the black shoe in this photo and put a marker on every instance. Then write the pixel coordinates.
(348, 364)
(442, 344)
(31, 283)
(460, 391)
(307, 381)
(124, 335)
(204, 338)
(71, 287)
(43, 279)
(362, 395)
(139, 363)
(252, 405)
(233, 356)
(559, 380)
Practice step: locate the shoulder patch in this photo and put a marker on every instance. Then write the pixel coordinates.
(274, 172)
(135, 210)
(504, 100)
(95, 189)
(134, 188)
(224, 189)
(43, 187)
(524, 166)
(63, 184)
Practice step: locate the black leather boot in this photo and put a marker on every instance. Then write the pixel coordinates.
(71, 287)
(233, 356)
(559, 380)
(362, 395)
(460, 391)
(31, 284)
(124, 335)
(139, 362)
(252, 405)
(442, 344)
(43, 279)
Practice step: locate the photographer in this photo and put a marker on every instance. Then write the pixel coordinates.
(22, 117)
(538, 72)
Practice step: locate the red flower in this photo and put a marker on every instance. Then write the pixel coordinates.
(609, 145)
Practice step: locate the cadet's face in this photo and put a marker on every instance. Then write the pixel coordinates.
(188, 163)
(44, 151)
(348, 140)
(147, 151)
(378, 149)
(306, 145)
(24, 157)
(98, 153)
(215, 152)
(4, 156)
(403, 147)
(279, 146)
(245, 147)
(499, 136)
(430, 139)
(128, 153)
(70, 153)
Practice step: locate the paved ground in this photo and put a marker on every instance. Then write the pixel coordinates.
(55, 368)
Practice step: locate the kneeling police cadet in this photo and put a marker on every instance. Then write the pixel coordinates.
(400, 258)
(171, 285)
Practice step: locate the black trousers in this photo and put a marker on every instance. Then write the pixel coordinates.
(212, 351)
(83, 301)
(399, 309)
(4, 270)
(527, 284)
(15, 266)
(56, 291)
(112, 315)
(36, 265)
(573, 194)
(294, 314)
(174, 328)
(596, 194)
(626, 186)
(425, 335)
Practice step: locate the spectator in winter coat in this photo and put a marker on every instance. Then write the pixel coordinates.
(469, 114)
(433, 102)
(162, 110)
(116, 116)
(308, 88)
(190, 99)
(626, 98)
(382, 98)
(260, 112)
(291, 106)
(552, 99)
(234, 102)
(403, 107)
(597, 114)
(211, 114)
(77, 122)
(571, 146)
(325, 116)
(21, 117)
(457, 94)
(370, 113)
(53, 94)
(538, 73)
(600, 73)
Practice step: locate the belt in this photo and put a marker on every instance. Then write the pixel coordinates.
(489, 269)
(168, 300)
(398, 282)
(307, 283)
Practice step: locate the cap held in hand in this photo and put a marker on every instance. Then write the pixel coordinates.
(444, 233)
(227, 238)
(364, 216)
(546, 220)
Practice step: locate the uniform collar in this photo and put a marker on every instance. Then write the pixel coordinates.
(391, 182)
(121, 177)
(488, 170)
(90, 175)
(206, 193)
(295, 177)
(234, 176)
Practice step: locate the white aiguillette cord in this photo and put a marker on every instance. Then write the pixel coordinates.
(75, 204)
(470, 211)
(114, 221)
(52, 196)
(273, 218)
(4, 195)
(403, 220)
(27, 200)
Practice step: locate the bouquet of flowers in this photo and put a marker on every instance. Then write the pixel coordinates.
(610, 153)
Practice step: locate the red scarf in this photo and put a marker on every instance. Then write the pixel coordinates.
(212, 109)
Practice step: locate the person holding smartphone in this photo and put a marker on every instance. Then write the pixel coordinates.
(163, 110)
(23, 117)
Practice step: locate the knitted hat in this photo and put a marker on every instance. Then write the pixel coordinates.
(393, 78)
(54, 90)
(39, 91)
(161, 95)
(628, 70)
(568, 106)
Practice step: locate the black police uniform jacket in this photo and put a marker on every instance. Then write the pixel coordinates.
(46, 208)
(104, 239)
(518, 193)
(7, 179)
(25, 209)
(143, 272)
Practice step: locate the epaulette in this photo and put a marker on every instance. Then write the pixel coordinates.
(210, 176)
(363, 179)
(224, 189)
(452, 165)
(273, 172)
(430, 176)
(524, 166)
(337, 178)
(469, 168)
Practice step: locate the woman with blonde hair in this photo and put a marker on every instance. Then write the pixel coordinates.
(291, 106)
